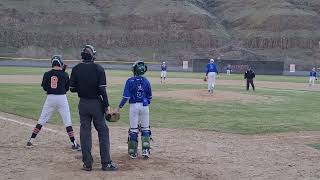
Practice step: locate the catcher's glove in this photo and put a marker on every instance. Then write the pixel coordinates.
(205, 79)
(112, 116)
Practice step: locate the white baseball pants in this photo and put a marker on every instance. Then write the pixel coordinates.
(211, 80)
(139, 114)
(312, 80)
(56, 103)
(163, 74)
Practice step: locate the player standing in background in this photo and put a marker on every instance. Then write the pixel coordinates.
(163, 72)
(56, 83)
(312, 76)
(88, 79)
(249, 75)
(212, 71)
(138, 91)
(229, 69)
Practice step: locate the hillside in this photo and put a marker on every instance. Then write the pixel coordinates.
(172, 30)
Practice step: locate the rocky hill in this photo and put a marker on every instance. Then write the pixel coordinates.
(171, 30)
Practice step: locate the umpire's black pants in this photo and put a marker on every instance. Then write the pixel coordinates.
(250, 81)
(92, 110)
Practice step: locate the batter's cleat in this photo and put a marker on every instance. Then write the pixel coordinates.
(29, 145)
(133, 156)
(145, 153)
(86, 168)
(76, 147)
(109, 167)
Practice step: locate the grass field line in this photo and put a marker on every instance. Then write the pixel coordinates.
(29, 125)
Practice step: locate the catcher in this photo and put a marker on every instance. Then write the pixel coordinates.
(56, 83)
(138, 91)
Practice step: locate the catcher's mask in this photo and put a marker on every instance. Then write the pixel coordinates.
(57, 60)
(88, 53)
(139, 68)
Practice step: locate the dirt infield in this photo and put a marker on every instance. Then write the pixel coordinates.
(36, 79)
(177, 154)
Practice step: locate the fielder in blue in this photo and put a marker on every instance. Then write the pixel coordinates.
(138, 91)
(312, 76)
(212, 71)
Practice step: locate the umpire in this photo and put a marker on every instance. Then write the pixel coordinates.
(88, 79)
(249, 75)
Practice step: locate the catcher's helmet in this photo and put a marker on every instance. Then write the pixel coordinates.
(57, 60)
(88, 53)
(139, 68)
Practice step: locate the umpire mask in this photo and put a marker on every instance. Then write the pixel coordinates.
(88, 53)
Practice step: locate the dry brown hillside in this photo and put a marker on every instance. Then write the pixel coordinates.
(167, 29)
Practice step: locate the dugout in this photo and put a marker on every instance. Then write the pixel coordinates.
(240, 66)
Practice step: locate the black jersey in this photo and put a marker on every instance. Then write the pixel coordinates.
(249, 74)
(86, 78)
(55, 82)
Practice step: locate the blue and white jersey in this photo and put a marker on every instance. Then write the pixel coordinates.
(313, 74)
(163, 67)
(212, 67)
(137, 90)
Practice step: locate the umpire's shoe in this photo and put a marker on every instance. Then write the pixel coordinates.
(109, 167)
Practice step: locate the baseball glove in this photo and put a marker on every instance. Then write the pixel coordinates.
(205, 79)
(112, 116)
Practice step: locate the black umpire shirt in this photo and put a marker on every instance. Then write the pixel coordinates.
(55, 82)
(249, 74)
(89, 80)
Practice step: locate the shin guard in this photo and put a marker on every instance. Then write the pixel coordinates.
(132, 143)
(145, 139)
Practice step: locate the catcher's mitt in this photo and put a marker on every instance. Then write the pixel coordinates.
(112, 116)
(205, 79)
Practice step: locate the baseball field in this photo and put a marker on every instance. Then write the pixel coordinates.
(272, 133)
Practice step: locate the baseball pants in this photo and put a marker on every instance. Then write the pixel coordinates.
(250, 81)
(139, 114)
(312, 80)
(56, 103)
(91, 110)
(211, 80)
(163, 74)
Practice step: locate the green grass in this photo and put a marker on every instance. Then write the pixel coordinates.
(222, 76)
(316, 146)
(294, 111)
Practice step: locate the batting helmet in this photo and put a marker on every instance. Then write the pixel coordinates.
(88, 53)
(139, 68)
(57, 60)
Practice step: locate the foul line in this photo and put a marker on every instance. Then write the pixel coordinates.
(30, 125)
